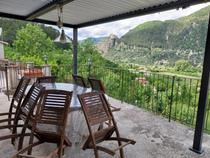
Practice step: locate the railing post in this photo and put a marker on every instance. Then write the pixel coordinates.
(171, 99)
(89, 66)
(7, 83)
(121, 92)
(46, 70)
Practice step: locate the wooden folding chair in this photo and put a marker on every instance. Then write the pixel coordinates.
(46, 79)
(97, 111)
(79, 80)
(97, 85)
(16, 102)
(25, 114)
(52, 112)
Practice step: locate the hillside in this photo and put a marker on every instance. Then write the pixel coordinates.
(162, 42)
(95, 40)
(10, 28)
(184, 33)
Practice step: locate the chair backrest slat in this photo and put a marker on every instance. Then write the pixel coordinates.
(25, 112)
(96, 85)
(95, 108)
(31, 99)
(18, 97)
(53, 108)
(51, 118)
(20, 90)
(79, 80)
(46, 79)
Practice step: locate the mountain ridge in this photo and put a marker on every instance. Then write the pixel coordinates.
(159, 41)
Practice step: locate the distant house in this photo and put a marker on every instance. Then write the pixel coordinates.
(142, 80)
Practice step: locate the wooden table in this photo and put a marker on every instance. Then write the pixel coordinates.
(75, 104)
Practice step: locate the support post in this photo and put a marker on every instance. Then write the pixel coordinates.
(198, 135)
(75, 44)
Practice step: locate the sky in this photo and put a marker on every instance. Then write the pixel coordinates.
(121, 27)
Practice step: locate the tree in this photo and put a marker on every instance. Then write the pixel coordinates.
(9, 28)
(183, 65)
(51, 32)
(31, 41)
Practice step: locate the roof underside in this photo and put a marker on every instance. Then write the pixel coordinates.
(81, 13)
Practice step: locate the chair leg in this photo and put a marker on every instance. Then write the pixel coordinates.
(21, 139)
(14, 130)
(60, 149)
(26, 148)
(20, 143)
(121, 153)
(10, 114)
(31, 140)
(120, 143)
(96, 153)
(13, 139)
(121, 150)
(9, 120)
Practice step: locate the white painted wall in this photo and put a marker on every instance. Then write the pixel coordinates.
(1, 51)
(1, 46)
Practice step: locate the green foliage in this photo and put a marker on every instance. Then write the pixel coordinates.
(184, 33)
(10, 53)
(31, 41)
(150, 34)
(183, 65)
(146, 25)
(158, 93)
(51, 32)
(87, 50)
(11, 26)
(164, 42)
(201, 13)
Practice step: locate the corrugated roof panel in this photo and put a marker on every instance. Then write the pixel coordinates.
(21, 7)
(80, 11)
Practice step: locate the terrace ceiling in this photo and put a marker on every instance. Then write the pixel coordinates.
(81, 13)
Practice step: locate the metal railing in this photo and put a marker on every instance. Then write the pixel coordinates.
(10, 73)
(3, 79)
(174, 97)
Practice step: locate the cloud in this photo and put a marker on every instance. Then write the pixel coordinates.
(121, 27)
